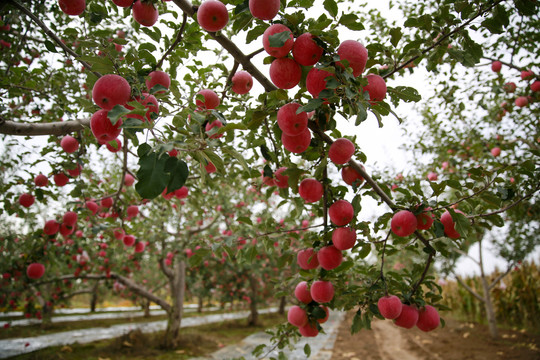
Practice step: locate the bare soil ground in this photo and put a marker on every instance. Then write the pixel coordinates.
(456, 341)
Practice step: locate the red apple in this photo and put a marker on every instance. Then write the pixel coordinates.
(26, 200)
(324, 319)
(285, 73)
(403, 223)
(51, 227)
(92, 206)
(264, 9)
(355, 53)
(281, 181)
(432, 176)
(242, 82)
(139, 247)
(35, 270)
(41, 180)
(306, 51)
(70, 218)
(307, 259)
(341, 151)
(128, 180)
(535, 86)
(390, 306)
(132, 211)
(309, 330)
(107, 202)
(408, 317)
(449, 225)
(60, 179)
(297, 144)
(302, 292)
(527, 75)
(510, 87)
(158, 77)
(211, 100)
(310, 190)
(522, 101)
(114, 145)
(424, 219)
(145, 13)
(76, 171)
(210, 168)
(322, 291)
(297, 316)
(111, 90)
(123, 3)
(181, 193)
(315, 81)
(102, 128)
(277, 52)
(428, 318)
(344, 238)
(214, 124)
(350, 176)
(129, 240)
(376, 88)
(496, 66)
(341, 212)
(496, 151)
(150, 102)
(289, 121)
(329, 257)
(72, 7)
(69, 144)
(212, 15)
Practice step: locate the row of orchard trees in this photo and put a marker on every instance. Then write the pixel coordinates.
(62, 70)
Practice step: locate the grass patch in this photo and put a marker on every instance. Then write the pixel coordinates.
(194, 341)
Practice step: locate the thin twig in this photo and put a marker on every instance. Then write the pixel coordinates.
(52, 35)
(176, 42)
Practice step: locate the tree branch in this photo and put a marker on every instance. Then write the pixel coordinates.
(58, 128)
(469, 289)
(231, 47)
(52, 35)
(176, 42)
(500, 277)
(424, 273)
(480, 12)
(528, 196)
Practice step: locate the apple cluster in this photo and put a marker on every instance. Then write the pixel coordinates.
(407, 316)
(404, 222)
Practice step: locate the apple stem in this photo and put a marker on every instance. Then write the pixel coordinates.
(229, 79)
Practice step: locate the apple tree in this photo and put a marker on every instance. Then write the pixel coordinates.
(214, 96)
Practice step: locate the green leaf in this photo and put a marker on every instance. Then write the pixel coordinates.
(357, 322)
(351, 22)
(362, 114)
(307, 348)
(331, 7)
(50, 46)
(116, 113)
(312, 104)
(279, 39)
(396, 35)
(245, 220)
(151, 174)
(364, 252)
(405, 93)
(178, 173)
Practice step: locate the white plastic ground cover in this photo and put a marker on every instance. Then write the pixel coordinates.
(321, 346)
(13, 347)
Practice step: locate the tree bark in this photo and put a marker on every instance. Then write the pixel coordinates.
(94, 297)
(253, 318)
(146, 308)
(282, 304)
(200, 304)
(490, 311)
(177, 284)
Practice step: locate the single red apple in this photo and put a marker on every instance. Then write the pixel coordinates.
(403, 223)
(242, 82)
(390, 306)
(26, 200)
(285, 73)
(341, 212)
(302, 292)
(344, 238)
(35, 270)
(355, 53)
(322, 291)
(212, 15)
(264, 9)
(72, 7)
(408, 317)
(297, 144)
(289, 121)
(145, 13)
(111, 90)
(306, 51)
(277, 52)
(329, 257)
(310, 190)
(307, 259)
(341, 151)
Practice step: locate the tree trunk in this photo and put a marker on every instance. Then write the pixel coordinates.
(146, 308)
(490, 312)
(253, 318)
(200, 305)
(282, 304)
(94, 298)
(177, 285)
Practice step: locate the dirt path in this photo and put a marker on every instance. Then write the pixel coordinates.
(456, 341)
